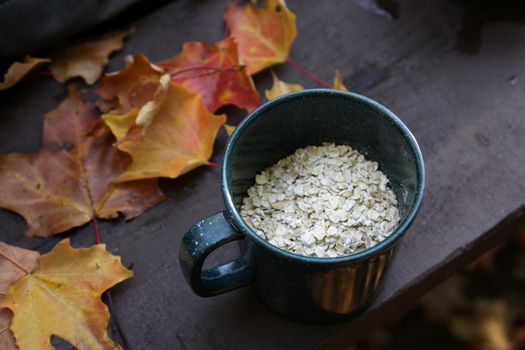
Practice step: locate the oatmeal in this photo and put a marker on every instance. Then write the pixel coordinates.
(323, 201)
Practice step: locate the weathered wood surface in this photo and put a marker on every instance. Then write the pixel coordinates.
(466, 113)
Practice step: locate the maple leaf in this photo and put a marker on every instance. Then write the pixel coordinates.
(62, 297)
(213, 71)
(13, 262)
(338, 81)
(18, 70)
(179, 137)
(86, 59)
(279, 88)
(132, 86)
(264, 34)
(70, 181)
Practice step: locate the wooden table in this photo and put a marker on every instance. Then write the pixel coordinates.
(466, 111)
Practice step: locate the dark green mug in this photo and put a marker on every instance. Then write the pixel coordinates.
(301, 287)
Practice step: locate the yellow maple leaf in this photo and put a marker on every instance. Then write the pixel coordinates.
(13, 262)
(86, 59)
(18, 70)
(61, 297)
(280, 88)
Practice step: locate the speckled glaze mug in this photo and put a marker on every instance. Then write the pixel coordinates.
(300, 287)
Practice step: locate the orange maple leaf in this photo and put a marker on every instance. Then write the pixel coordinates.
(264, 34)
(213, 71)
(70, 181)
(179, 136)
(132, 86)
(61, 296)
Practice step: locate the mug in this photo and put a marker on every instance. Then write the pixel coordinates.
(305, 288)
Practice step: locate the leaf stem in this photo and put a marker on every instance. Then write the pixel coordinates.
(14, 262)
(210, 71)
(306, 72)
(97, 231)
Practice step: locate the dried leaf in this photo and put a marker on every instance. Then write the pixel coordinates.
(62, 297)
(69, 182)
(264, 34)
(179, 138)
(18, 70)
(86, 59)
(132, 86)
(213, 71)
(280, 88)
(229, 129)
(338, 81)
(10, 257)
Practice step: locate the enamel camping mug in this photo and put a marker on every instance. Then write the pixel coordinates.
(300, 287)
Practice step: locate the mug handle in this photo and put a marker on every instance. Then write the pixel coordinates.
(203, 238)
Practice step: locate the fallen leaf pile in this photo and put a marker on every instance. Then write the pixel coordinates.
(57, 294)
(154, 119)
(158, 121)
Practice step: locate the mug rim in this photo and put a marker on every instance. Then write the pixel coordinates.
(375, 250)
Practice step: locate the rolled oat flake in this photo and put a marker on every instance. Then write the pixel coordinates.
(323, 201)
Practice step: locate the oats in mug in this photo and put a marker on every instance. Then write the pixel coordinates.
(323, 201)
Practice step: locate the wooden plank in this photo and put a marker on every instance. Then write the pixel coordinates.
(466, 115)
